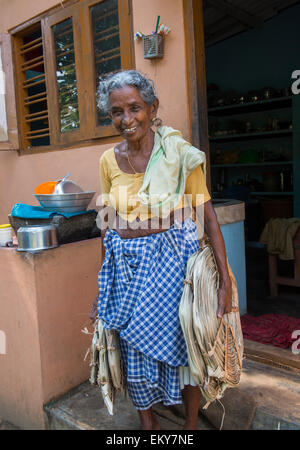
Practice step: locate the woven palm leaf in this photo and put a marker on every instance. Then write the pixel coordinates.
(104, 378)
(106, 364)
(114, 360)
(94, 363)
(102, 355)
(215, 346)
(196, 363)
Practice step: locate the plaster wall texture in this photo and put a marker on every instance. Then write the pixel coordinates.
(20, 365)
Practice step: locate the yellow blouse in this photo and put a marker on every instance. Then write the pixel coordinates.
(119, 189)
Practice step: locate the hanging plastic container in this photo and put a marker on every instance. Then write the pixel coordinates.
(153, 46)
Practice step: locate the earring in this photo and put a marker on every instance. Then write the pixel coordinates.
(157, 122)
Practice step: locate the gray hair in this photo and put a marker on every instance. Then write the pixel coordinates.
(120, 79)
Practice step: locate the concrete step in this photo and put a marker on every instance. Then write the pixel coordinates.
(83, 409)
(267, 398)
(4, 425)
(275, 393)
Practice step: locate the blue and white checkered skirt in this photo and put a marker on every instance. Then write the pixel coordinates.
(140, 287)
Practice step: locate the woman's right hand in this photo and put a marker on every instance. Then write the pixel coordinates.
(93, 313)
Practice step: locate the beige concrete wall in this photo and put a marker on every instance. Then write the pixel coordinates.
(168, 73)
(20, 367)
(45, 303)
(66, 284)
(19, 175)
(16, 12)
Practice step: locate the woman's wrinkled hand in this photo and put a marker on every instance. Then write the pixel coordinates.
(93, 313)
(224, 298)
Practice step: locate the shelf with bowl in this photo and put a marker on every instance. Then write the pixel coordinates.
(271, 193)
(264, 163)
(259, 105)
(254, 135)
(284, 139)
(261, 193)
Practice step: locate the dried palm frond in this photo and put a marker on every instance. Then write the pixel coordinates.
(104, 378)
(196, 362)
(114, 360)
(106, 365)
(215, 346)
(94, 363)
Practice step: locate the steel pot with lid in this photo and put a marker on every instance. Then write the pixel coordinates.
(33, 238)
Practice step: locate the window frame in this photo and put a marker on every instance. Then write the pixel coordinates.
(20, 107)
(126, 52)
(12, 142)
(89, 132)
(56, 136)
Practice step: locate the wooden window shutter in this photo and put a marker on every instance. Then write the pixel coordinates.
(108, 48)
(32, 96)
(9, 92)
(65, 81)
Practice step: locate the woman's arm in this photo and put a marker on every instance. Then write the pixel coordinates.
(212, 229)
(93, 312)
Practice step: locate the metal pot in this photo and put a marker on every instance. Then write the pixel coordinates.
(35, 238)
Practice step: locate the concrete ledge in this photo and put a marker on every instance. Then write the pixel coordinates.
(277, 393)
(274, 356)
(4, 425)
(267, 398)
(229, 211)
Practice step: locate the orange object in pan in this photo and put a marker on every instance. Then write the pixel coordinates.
(46, 188)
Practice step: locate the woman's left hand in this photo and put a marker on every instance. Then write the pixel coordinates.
(224, 298)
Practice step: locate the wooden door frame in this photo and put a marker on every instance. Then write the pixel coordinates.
(196, 77)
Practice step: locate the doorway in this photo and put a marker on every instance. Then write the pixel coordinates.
(252, 118)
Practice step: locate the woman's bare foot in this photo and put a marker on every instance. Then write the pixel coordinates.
(155, 422)
(148, 420)
(191, 425)
(191, 398)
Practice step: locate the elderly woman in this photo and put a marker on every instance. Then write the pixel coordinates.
(146, 251)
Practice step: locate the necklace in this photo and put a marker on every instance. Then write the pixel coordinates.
(129, 161)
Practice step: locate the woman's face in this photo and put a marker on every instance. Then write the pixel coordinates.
(131, 116)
